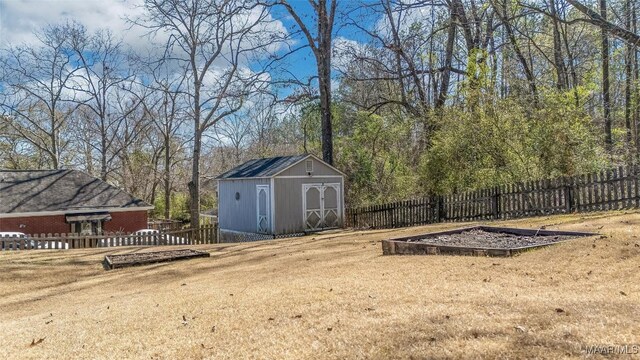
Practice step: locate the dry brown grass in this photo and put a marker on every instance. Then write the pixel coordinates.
(330, 296)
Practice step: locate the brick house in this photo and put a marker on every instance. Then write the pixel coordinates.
(66, 201)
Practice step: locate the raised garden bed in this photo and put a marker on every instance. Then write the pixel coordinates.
(135, 259)
(478, 241)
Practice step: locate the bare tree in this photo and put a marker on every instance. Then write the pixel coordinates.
(101, 86)
(320, 41)
(606, 96)
(598, 19)
(212, 41)
(167, 106)
(33, 79)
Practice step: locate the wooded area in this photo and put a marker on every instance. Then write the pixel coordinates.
(410, 99)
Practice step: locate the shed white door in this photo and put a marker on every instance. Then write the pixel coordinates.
(321, 204)
(263, 206)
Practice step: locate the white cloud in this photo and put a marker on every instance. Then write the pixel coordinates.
(19, 19)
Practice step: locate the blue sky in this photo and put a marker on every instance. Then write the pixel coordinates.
(20, 18)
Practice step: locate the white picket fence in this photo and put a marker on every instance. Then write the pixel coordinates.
(207, 235)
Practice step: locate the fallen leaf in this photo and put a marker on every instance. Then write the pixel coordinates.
(520, 328)
(34, 342)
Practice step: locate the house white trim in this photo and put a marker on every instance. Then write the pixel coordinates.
(267, 192)
(321, 188)
(286, 177)
(272, 203)
(74, 211)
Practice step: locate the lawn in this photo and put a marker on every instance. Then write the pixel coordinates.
(331, 296)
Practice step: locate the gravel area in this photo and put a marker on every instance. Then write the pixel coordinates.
(124, 260)
(492, 240)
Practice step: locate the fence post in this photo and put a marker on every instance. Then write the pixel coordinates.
(495, 199)
(568, 195)
(440, 209)
(354, 223)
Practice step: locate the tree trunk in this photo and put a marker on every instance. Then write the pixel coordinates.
(103, 151)
(194, 184)
(323, 58)
(628, 90)
(503, 14)
(167, 176)
(606, 97)
(448, 61)
(636, 78)
(55, 157)
(324, 73)
(561, 82)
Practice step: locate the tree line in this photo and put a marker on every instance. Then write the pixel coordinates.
(408, 98)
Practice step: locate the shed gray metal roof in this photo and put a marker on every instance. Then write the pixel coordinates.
(262, 167)
(26, 191)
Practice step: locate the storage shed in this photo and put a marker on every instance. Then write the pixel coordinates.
(264, 198)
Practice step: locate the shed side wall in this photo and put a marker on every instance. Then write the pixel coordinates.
(288, 201)
(238, 215)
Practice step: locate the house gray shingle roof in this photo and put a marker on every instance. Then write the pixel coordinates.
(262, 167)
(59, 190)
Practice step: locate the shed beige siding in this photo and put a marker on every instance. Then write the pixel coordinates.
(319, 169)
(289, 214)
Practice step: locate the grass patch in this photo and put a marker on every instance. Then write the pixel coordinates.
(330, 296)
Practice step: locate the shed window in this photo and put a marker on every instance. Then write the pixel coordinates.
(309, 166)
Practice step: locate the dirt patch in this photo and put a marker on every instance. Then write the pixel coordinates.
(135, 259)
(493, 240)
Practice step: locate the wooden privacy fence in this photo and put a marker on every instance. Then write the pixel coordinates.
(207, 235)
(612, 189)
